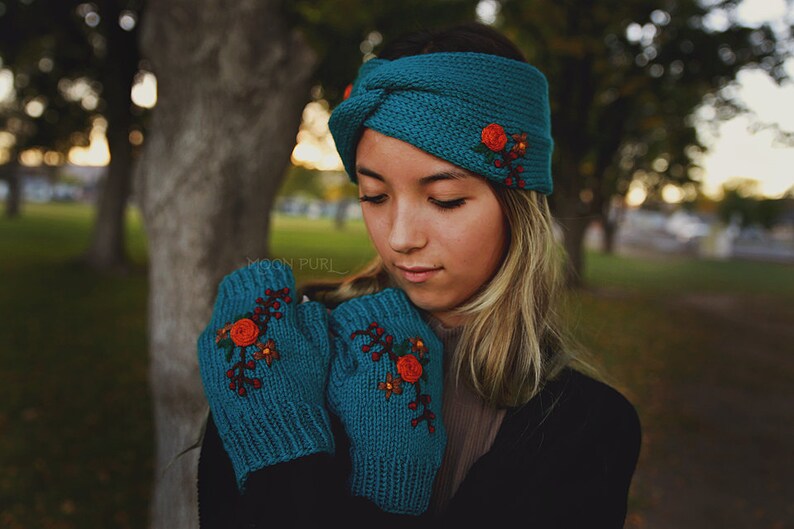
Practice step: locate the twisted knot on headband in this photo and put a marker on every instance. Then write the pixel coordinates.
(481, 112)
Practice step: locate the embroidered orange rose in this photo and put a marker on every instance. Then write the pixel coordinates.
(409, 368)
(494, 137)
(244, 332)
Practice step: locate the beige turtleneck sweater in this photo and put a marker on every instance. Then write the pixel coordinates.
(470, 424)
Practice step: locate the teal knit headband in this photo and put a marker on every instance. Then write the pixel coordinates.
(482, 112)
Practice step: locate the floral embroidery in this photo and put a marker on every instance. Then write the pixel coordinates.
(493, 144)
(392, 385)
(409, 368)
(494, 137)
(266, 351)
(418, 346)
(410, 358)
(248, 330)
(244, 332)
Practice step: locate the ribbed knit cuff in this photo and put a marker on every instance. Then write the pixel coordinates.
(387, 304)
(394, 485)
(282, 433)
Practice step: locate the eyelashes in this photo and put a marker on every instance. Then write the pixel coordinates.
(443, 204)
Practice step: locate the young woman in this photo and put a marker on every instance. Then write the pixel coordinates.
(438, 386)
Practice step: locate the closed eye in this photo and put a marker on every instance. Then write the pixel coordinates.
(443, 204)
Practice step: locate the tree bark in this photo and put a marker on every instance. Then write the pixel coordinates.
(107, 248)
(232, 82)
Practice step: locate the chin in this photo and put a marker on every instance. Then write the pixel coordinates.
(424, 299)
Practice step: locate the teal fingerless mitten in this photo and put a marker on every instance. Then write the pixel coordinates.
(386, 388)
(264, 363)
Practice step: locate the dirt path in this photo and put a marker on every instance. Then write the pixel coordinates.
(727, 460)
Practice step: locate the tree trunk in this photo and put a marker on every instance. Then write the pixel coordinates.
(340, 216)
(107, 248)
(610, 228)
(106, 251)
(573, 216)
(14, 197)
(573, 226)
(232, 83)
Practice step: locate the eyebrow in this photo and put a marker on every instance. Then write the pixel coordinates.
(443, 175)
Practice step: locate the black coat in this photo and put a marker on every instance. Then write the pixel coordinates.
(563, 460)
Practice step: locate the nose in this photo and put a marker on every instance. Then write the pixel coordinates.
(407, 229)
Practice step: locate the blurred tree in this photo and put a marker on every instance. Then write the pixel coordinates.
(37, 114)
(625, 78)
(741, 199)
(301, 181)
(77, 60)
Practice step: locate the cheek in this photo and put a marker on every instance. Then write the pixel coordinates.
(479, 240)
(377, 228)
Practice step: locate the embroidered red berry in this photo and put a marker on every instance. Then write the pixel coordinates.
(375, 357)
(412, 405)
(508, 181)
(257, 383)
(520, 169)
(414, 422)
(260, 300)
(232, 385)
(365, 348)
(287, 299)
(431, 428)
(241, 392)
(521, 183)
(498, 163)
(229, 374)
(268, 292)
(250, 364)
(277, 315)
(276, 304)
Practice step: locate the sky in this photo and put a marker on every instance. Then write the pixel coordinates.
(738, 152)
(735, 152)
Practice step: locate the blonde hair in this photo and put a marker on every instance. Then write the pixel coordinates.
(514, 338)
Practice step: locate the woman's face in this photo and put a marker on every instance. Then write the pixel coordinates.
(424, 212)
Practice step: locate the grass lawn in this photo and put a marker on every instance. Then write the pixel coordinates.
(75, 429)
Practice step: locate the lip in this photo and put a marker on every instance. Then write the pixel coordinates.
(418, 274)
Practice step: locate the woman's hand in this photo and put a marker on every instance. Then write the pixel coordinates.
(264, 362)
(386, 388)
